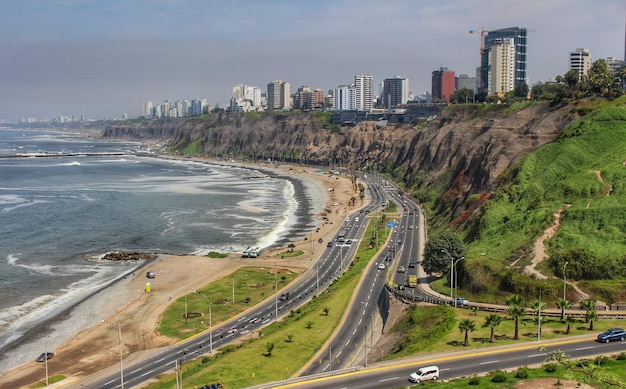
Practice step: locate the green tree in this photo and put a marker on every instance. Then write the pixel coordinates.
(516, 311)
(590, 316)
(588, 305)
(326, 309)
(462, 96)
(466, 326)
(569, 320)
(269, 347)
(440, 250)
(521, 90)
(572, 80)
(563, 304)
(492, 321)
(589, 373)
(600, 78)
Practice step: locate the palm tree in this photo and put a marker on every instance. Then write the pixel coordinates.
(569, 320)
(590, 316)
(563, 304)
(588, 305)
(516, 311)
(466, 326)
(539, 306)
(493, 320)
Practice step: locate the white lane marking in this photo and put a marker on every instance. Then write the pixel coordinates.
(326, 367)
(337, 356)
(390, 379)
(354, 332)
(348, 342)
(536, 355)
(169, 363)
(490, 362)
(146, 373)
(360, 321)
(135, 371)
(583, 348)
(106, 383)
(160, 360)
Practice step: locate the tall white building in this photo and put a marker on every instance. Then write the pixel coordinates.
(250, 94)
(278, 95)
(364, 85)
(501, 75)
(146, 108)
(345, 98)
(580, 60)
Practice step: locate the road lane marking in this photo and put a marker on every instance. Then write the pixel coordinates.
(146, 373)
(389, 379)
(537, 355)
(583, 348)
(160, 360)
(135, 371)
(490, 362)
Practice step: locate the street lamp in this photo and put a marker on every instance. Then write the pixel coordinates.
(119, 339)
(210, 321)
(456, 280)
(46, 358)
(564, 283)
(451, 271)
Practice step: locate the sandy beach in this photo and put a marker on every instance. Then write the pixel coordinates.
(95, 351)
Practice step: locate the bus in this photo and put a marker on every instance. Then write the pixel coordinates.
(341, 236)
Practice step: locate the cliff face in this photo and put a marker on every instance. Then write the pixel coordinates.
(468, 147)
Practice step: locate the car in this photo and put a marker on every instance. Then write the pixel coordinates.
(150, 274)
(401, 269)
(284, 296)
(426, 373)
(461, 301)
(381, 266)
(44, 356)
(349, 241)
(356, 219)
(347, 219)
(612, 334)
(411, 227)
(330, 244)
(412, 265)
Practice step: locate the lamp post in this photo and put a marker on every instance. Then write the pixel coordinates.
(456, 280)
(564, 283)
(451, 272)
(46, 358)
(210, 321)
(119, 336)
(539, 317)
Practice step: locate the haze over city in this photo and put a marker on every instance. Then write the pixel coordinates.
(100, 59)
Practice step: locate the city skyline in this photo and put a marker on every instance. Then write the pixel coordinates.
(101, 59)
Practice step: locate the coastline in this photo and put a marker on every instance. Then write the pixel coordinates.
(91, 348)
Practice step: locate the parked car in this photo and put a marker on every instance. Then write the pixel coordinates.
(44, 356)
(150, 274)
(612, 334)
(426, 373)
(401, 269)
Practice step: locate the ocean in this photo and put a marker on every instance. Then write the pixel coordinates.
(59, 215)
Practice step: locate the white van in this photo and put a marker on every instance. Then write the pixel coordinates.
(356, 219)
(426, 373)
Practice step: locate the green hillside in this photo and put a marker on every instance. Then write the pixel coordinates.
(583, 174)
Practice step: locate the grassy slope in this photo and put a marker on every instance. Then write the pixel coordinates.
(560, 175)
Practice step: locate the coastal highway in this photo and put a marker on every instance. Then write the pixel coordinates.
(328, 267)
(365, 315)
(395, 374)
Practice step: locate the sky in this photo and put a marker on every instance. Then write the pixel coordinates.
(102, 58)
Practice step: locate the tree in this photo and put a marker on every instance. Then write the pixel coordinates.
(462, 96)
(569, 320)
(600, 78)
(516, 311)
(521, 90)
(589, 373)
(563, 304)
(269, 347)
(572, 79)
(493, 320)
(326, 310)
(590, 316)
(539, 306)
(588, 305)
(466, 326)
(440, 250)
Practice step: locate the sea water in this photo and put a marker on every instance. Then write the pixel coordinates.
(59, 215)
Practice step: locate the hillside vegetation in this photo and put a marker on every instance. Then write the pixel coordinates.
(581, 174)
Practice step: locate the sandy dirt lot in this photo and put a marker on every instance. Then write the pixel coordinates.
(95, 351)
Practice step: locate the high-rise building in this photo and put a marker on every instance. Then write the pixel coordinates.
(443, 81)
(520, 38)
(580, 60)
(345, 98)
(463, 81)
(364, 85)
(395, 92)
(146, 109)
(278, 95)
(308, 98)
(501, 75)
(614, 64)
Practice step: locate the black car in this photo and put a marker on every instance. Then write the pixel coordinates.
(330, 244)
(284, 296)
(43, 356)
(612, 334)
(412, 264)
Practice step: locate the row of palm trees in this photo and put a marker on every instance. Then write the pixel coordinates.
(516, 311)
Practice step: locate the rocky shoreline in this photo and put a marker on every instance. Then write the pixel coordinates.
(122, 256)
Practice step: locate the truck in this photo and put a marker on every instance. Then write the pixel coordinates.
(412, 281)
(255, 252)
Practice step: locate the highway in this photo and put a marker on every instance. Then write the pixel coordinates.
(332, 262)
(453, 365)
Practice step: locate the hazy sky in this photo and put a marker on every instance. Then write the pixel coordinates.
(101, 58)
